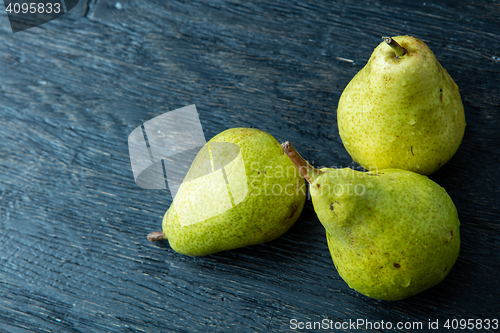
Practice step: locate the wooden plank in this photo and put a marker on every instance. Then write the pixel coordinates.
(73, 223)
(81, 8)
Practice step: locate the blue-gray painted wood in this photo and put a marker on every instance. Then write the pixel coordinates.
(74, 255)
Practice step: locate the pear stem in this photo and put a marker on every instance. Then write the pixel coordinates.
(398, 49)
(308, 171)
(156, 236)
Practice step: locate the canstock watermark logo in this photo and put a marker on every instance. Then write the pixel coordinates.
(165, 147)
(25, 14)
(219, 173)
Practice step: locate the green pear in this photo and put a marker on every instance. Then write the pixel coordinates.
(391, 233)
(402, 110)
(240, 190)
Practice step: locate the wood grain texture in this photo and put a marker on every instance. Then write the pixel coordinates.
(73, 224)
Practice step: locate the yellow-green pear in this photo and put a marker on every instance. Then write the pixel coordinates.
(391, 233)
(240, 190)
(402, 110)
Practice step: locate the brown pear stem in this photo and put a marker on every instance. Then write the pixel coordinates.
(309, 172)
(156, 236)
(398, 49)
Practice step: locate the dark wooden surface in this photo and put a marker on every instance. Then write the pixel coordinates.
(74, 254)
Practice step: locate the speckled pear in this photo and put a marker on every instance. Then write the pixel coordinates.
(240, 190)
(391, 233)
(402, 110)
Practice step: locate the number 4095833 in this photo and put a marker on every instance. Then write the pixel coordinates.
(456, 324)
(33, 7)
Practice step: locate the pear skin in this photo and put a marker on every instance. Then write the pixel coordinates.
(391, 233)
(402, 110)
(240, 190)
